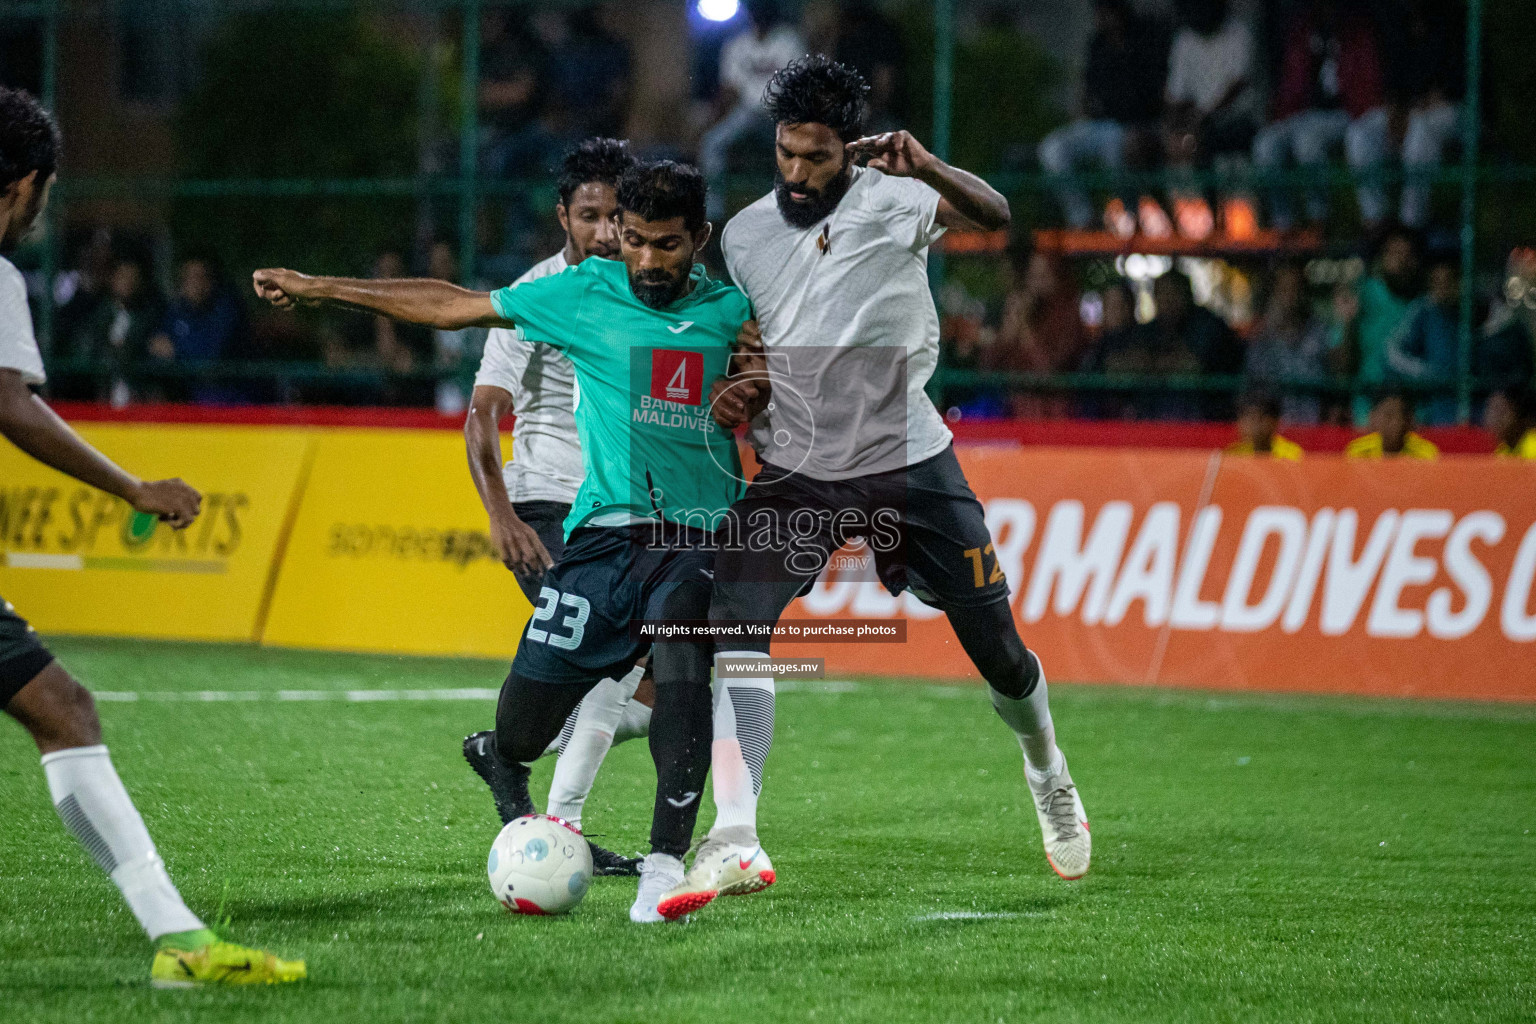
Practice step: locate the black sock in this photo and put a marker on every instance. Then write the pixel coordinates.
(991, 639)
(682, 731)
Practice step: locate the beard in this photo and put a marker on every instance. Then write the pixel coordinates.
(656, 289)
(818, 204)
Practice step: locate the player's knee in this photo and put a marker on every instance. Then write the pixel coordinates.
(992, 641)
(1008, 668)
(730, 602)
(519, 735)
(61, 714)
(1015, 673)
(79, 724)
(516, 744)
(84, 723)
(680, 665)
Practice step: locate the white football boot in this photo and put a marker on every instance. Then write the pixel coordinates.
(1063, 822)
(730, 863)
(659, 873)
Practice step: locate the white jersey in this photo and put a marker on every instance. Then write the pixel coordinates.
(546, 457)
(1203, 69)
(849, 325)
(18, 345)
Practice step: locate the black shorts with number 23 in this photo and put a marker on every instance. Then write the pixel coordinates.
(606, 578)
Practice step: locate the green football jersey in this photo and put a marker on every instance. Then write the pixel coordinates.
(648, 443)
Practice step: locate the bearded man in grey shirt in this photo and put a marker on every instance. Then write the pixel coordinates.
(834, 261)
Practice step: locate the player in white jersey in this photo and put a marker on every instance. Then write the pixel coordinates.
(35, 689)
(834, 261)
(527, 499)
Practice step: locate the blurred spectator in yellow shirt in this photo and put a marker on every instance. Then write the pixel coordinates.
(1393, 436)
(1258, 419)
(1510, 416)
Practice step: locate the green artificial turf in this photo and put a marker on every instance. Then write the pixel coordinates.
(1256, 859)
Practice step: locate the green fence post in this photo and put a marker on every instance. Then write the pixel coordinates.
(1471, 125)
(469, 139)
(943, 96)
(51, 239)
(428, 130)
(943, 74)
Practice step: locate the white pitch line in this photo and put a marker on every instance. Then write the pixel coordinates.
(245, 696)
(1300, 703)
(390, 696)
(971, 915)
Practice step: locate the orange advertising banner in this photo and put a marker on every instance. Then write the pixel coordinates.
(1181, 568)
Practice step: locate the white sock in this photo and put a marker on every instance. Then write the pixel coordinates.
(635, 723)
(584, 743)
(96, 809)
(1030, 719)
(743, 734)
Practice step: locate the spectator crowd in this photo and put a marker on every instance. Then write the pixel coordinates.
(121, 339)
(1373, 84)
(1328, 338)
(131, 328)
(1205, 84)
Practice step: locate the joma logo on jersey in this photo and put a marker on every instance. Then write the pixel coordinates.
(677, 376)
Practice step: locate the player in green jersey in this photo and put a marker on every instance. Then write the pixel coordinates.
(644, 336)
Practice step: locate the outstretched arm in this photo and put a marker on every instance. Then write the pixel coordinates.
(424, 301)
(28, 423)
(965, 201)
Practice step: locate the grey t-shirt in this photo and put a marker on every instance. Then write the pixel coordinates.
(546, 457)
(18, 345)
(850, 328)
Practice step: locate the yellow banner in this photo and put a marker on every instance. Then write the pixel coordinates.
(390, 553)
(75, 560)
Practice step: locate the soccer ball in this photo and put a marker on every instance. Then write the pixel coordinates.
(539, 865)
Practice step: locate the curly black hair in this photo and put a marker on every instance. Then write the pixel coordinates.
(597, 159)
(663, 190)
(29, 138)
(816, 89)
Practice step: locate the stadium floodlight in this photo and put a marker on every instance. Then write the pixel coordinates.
(718, 10)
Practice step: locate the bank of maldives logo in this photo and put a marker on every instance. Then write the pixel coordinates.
(677, 376)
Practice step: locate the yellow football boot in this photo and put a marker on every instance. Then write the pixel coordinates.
(221, 963)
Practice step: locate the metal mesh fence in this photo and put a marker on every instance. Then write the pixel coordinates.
(414, 184)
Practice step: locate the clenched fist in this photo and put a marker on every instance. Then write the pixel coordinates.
(737, 398)
(173, 501)
(895, 153)
(283, 288)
